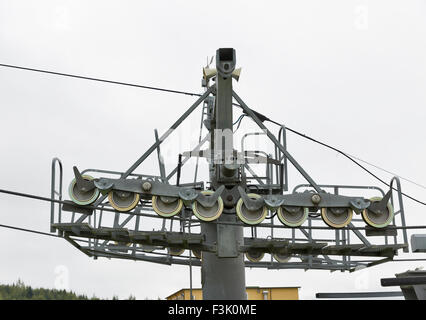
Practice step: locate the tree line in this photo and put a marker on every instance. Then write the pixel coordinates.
(19, 291)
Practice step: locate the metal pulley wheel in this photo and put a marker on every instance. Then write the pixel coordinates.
(206, 213)
(82, 197)
(283, 258)
(251, 217)
(292, 216)
(166, 206)
(336, 217)
(123, 201)
(254, 256)
(175, 251)
(197, 253)
(147, 248)
(120, 244)
(378, 220)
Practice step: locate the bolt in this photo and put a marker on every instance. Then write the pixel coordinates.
(315, 199)
(146, 186)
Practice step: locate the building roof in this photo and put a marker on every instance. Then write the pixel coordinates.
(249, 287)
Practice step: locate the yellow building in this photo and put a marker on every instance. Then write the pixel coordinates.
(253, 293)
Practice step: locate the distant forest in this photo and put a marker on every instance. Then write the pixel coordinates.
(19, 291)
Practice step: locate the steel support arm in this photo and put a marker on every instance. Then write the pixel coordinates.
(275, 141)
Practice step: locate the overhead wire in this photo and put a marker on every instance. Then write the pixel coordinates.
(157, 253)
(101, 80)
(387, 171)
(239, 120)
(348, 157)
(26, 195)
(29, 230)
(264, 118)
(110, 253)
(105, 209)
(258, 114)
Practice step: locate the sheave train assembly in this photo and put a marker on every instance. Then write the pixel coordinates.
(312, 227)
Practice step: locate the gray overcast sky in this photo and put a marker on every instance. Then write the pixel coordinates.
(350, 73)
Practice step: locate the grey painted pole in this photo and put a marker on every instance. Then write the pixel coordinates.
(223, 273)
(222, 278)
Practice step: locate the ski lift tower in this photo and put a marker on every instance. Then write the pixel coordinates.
(239, 217)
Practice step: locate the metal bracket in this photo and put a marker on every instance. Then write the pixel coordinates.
(251, 204)
(188, 194)
(359, 204)
(104, 185)
(273, 201)
(210, 200)
(82, 184)
(380, 207)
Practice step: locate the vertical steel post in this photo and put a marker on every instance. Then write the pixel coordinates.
(222, 278)
(223, 273)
